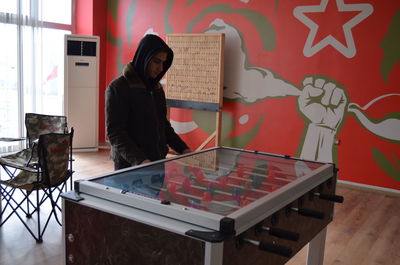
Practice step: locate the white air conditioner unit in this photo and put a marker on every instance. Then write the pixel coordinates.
(81, 73)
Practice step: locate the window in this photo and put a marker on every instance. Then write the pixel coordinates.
(31, 61)
(57, 11)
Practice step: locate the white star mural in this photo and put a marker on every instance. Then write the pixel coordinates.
(349, 49)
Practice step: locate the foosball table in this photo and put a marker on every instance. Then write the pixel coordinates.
(218, 206)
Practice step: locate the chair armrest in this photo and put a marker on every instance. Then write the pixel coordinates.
(8, 139)
(34, 147)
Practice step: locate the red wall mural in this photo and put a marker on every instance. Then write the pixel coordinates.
(316, 79)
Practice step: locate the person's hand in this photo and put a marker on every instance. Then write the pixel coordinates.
(145, 161)
(186, 151)
(322, 102)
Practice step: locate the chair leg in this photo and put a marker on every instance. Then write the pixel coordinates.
(15, 209)
(8, 197)
(28, 202)
(5, 195)
(55, 203)
(8, 171)
(54, 207)
(1, 203)
(39, 239)
(11, 174)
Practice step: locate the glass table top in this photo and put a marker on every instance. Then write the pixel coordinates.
(219, 180)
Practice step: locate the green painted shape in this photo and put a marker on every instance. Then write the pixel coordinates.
(190, 2)
(167, 26)
(129, 21)
(262, 24)
(112, 6)
(204, 120)
(243, 140)
(390, 46)
(113, 40)
(116, 42)
(390, 168)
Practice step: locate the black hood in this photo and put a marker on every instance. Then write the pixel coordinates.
(147, 48)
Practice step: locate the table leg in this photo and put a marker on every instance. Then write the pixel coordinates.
(214, 253)
(316, 248)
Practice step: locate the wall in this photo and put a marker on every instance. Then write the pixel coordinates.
(84, 17)
(316, 79)
(90, 20)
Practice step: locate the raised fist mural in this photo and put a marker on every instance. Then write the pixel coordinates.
(323, 105)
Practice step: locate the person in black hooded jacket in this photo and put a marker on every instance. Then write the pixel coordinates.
(136, 112)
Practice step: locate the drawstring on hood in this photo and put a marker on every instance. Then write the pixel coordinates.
(149, 46)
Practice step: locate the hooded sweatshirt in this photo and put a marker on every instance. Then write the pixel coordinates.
(148, 47)
(136, 121)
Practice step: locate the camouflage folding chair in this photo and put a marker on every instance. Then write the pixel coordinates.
(48, 177)
(36, 125)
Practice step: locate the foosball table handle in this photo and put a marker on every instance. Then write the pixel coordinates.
(277, 249)
(282, 233)
(309, 213)
(330, 197)
(269, 247)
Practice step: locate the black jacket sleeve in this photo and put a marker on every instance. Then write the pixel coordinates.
(117, 119)
(172, 139)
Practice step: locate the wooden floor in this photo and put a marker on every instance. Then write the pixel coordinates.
(365, 230)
